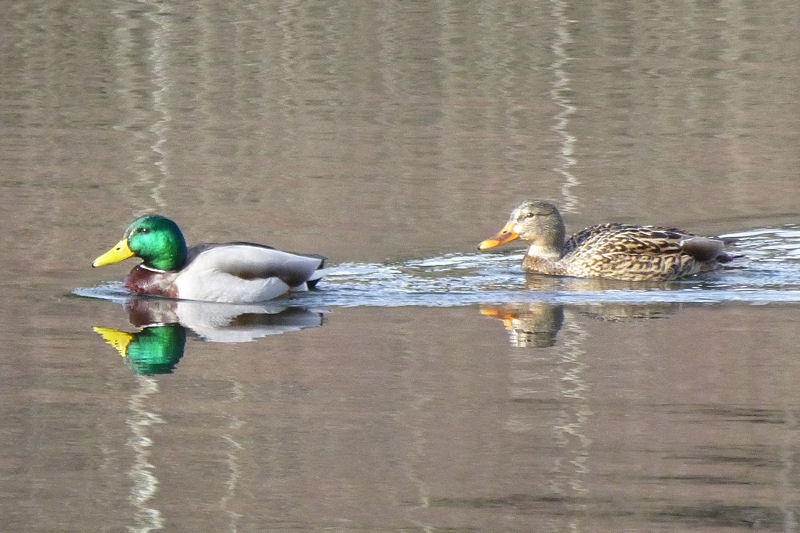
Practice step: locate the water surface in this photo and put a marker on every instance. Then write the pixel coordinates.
(425, 386)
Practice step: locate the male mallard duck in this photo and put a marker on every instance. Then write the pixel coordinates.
(612, 251)
(236, 272)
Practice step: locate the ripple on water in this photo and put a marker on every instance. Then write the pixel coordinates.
(768, 271)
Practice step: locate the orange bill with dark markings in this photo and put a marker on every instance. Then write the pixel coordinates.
(507, 234)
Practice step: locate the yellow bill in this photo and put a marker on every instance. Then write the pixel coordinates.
(116, 338)
(119, 252)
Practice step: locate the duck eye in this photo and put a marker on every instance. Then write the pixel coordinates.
(530, 215)
(144, 230)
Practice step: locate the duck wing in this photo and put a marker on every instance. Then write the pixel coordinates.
(628, 239)
(590, 234)
(629, 252)
(249, 261)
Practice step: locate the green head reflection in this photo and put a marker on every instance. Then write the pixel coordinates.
(154, 350)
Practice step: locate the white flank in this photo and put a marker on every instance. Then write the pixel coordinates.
(214, 275)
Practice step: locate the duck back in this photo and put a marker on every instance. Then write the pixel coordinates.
(636, 253)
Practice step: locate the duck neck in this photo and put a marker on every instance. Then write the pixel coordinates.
(175, 260)
(542, 265)
(168, 252)
(544, 253)
(549, 243)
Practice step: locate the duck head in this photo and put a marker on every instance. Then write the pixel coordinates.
(537, 222)
(155, 239)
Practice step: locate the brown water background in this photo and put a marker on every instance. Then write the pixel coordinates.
(392, 137)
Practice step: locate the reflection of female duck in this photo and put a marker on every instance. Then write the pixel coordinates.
(536, 324)
(529, 324)
(236, 272)
(612, 251)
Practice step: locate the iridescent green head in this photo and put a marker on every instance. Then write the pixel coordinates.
(155, 239)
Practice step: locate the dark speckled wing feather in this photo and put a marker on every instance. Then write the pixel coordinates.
(630, 252)
(587, 234)
(625, 238)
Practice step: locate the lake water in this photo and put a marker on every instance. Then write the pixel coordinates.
(425, 386)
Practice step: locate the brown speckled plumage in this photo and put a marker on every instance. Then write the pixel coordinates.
(611, 251)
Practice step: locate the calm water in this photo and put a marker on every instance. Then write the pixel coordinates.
(425, 386)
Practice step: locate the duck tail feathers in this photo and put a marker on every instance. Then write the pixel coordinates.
(318, 274)
(705, 249)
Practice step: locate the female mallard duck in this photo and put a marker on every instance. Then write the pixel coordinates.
(236, 272)
(611, 251)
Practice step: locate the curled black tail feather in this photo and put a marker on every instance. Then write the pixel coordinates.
(312, 283)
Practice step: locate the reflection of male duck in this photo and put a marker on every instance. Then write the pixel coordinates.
(158, 347)
(154, 350)
(223, 322)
